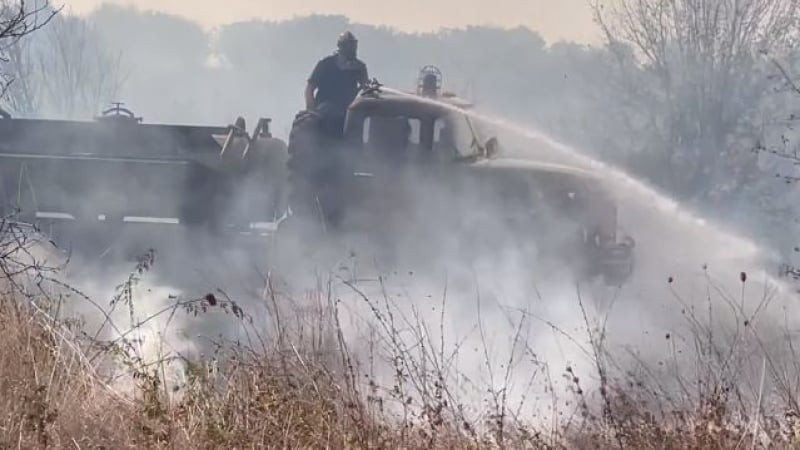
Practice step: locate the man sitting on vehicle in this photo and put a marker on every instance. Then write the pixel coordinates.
(335, 82)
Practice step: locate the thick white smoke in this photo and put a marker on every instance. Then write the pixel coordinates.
(497, 323)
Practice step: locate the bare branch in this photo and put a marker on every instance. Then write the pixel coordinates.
(65, 70)
(693, 69)
(17, 20)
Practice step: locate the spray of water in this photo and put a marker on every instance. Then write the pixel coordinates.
(532, 143)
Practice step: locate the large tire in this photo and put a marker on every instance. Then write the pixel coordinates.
(304, 140)
(320, 169)
(306, 143)
(314, 168)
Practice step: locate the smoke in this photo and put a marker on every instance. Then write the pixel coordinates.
(503, 309)
(444, 287)
(481, 308)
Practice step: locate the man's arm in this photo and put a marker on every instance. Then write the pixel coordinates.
(312, 84)
(364, 76)
(310, 88)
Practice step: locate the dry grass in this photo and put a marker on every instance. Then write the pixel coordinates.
(302, 387)
(48, 396)
(52, 399)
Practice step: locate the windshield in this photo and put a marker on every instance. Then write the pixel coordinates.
(453, 135)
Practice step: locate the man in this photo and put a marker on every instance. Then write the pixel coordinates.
(335, 82)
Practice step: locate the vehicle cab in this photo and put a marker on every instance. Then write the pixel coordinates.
(426, 126)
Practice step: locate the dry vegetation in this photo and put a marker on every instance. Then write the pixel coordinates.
(300, 386)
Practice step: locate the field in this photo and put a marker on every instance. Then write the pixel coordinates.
(301, 380)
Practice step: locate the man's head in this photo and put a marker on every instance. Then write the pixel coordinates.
(348, 45)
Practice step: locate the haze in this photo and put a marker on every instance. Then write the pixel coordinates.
(469, 317)
(554, 19)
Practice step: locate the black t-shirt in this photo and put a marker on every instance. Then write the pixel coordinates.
(336, 85)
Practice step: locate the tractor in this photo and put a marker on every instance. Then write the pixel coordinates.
(417, 170)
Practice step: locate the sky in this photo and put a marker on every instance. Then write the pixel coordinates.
(553, 19)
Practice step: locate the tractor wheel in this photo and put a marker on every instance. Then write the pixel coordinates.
(303, 141)
(303, 165)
